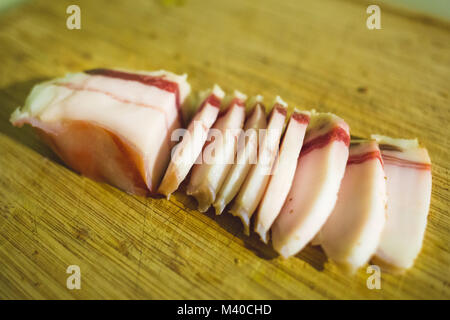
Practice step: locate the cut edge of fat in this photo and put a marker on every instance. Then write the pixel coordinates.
(172, 172)
(396, 255)
(363, 238)
(204, 192)
(245, 212)
(286, 245)
(239, 171)
(260, 228)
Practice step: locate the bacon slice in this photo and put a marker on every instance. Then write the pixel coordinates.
(352, 232)
(408, 171)
(218, 154)
(316, 183)
(187, 151)
(255, 183)
(283, 174)
(246, 156)
(110, 125)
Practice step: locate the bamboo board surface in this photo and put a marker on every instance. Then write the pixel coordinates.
(314, 54)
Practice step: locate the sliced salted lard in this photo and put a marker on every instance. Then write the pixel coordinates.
(218, 154)
(281, 180)
(256, 181)
(352, 233)
(318, 176)
(246, 156)
(109, 125)
(187, 151)
(408, 171)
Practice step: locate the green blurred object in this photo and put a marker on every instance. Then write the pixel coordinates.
(5, 4)
(437, 8)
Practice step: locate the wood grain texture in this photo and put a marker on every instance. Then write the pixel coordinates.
(314, 54)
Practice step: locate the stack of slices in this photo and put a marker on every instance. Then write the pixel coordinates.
(300, 176)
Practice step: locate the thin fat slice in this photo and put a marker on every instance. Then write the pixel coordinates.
(110, 125)
(218, 154)
(255, 183)
(246, 156)
(316, 184)
(408, 172)
(187, 151)
(283, 174)
(351, 234)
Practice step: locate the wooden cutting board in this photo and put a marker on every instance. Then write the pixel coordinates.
(314, 54)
